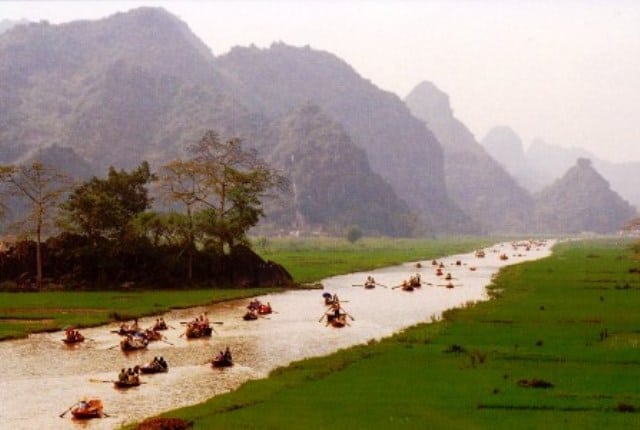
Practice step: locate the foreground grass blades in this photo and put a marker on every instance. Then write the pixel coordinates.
(559, 347)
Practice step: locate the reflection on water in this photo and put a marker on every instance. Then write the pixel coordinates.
(42, 377)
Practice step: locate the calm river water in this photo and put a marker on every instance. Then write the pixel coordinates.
(41, 376)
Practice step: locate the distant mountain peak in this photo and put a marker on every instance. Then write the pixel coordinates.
(582, 200)
(432, 99)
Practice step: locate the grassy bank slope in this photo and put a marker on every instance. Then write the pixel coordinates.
(313, 259)
(570, 321)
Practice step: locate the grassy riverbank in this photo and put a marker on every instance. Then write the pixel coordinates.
(313, 259)
(558, 348)
(308, 260)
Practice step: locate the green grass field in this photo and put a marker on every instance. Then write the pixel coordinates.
(570, 322)
(308, 260)
(313, 259)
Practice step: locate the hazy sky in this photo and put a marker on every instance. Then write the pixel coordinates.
(566, 71)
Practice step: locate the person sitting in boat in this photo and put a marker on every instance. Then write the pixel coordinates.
(254, 304)
(122, 376)
(162, 363)
(227, 354)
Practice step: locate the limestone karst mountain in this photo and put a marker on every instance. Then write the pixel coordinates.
(580, 201)
(475, 181)
(398, 146)
(139, 86)
(332, 182)
(542, 163)
(129, 87)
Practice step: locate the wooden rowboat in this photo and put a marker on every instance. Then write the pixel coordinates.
(250, 316)
(70, 340)
(222, 362)
(87, 410)
(132, 343)
(153, 368)
(126, 384)
(337, 321)
(195, 331)
(264, 309)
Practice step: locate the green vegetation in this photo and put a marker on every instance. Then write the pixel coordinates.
(557, 348)
(313, 259)
(106, 238)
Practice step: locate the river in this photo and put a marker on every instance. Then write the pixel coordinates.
(42, 377)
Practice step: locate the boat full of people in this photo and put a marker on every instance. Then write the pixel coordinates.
(223, 359)
(199, 327)
(157, 365)
(72, 336)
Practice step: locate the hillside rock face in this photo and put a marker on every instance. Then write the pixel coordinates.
(505, 146)
(139, 86)
(581, 201)
(475, 181)
(109, 89)
(398, 146)
(332, 182)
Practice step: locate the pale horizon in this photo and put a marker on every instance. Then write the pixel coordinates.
(565, 73)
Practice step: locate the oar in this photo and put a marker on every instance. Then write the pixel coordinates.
(101, 380)
(65, 412)
(397, 286)
(357, 285)
(323, 315)
(384, 286)
(166, 341)
(347, 314)
(114, 346)
(214, 330)
(106, 414)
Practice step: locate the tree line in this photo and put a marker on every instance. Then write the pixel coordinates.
(105, 230)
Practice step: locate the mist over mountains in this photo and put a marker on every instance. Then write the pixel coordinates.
(140, 86)
(542, 163)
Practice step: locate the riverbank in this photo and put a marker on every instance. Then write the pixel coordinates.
(557, 348)
(308, 260)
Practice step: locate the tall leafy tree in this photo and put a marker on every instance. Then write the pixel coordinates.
(221, 187)
(235, 180)
(42, 187)
(107, 207)
(184, 183)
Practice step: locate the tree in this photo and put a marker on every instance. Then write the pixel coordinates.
(43, 187)
(182, 182)
(234, 182)
(107, 207)
(354, 233)
(220, 187)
